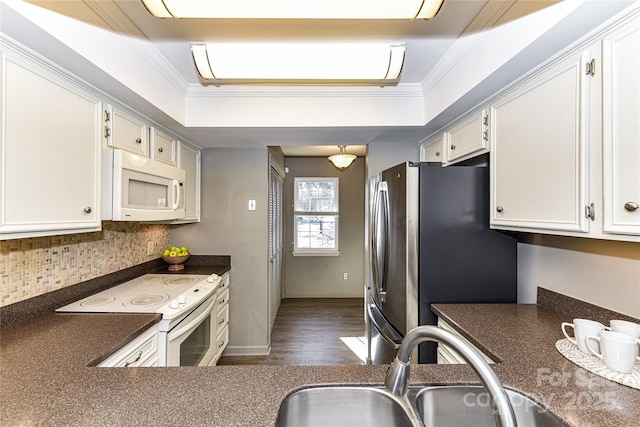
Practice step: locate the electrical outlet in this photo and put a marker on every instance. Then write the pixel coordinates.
(252, 205)
(346, 276)
(150, 247)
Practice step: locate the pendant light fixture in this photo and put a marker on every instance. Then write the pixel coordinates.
(294, 9)
(299, 63)
(342, 160)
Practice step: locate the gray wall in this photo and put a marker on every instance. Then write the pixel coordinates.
(322, 276)
(230, 177)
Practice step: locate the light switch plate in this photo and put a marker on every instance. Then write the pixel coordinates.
(252, 205)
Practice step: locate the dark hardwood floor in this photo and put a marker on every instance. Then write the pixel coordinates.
(308, 332)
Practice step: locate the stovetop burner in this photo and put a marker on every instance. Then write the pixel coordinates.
(146, 300)
(97, 301)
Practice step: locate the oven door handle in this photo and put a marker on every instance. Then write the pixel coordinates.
(194, 322)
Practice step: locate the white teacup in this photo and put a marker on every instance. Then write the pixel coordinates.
(627, 328)
(619, 351)
(582, 328)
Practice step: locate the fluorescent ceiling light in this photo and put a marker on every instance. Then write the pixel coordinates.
(299, 63)
(295, 9)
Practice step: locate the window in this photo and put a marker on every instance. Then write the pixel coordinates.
(315, 216)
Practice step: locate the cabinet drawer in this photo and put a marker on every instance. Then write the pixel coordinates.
(163, 147)
(139, 352)
(223, 297)
(223, 316)
(222, 340)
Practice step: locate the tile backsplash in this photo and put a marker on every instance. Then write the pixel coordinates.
(35, 266)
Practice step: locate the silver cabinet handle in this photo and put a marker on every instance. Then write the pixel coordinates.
(160, 150)
(499, 209)
(87, 209)
(126, 365)
(631, 206)
(139, 141)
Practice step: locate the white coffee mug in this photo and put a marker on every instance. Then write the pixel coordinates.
(619, 351)
(582, 328)
(627, 328)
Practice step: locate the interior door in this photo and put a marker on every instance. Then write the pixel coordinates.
(275, 241)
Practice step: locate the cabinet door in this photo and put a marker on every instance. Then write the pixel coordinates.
(621, 129)
(538, 152)
(126, 132)
(162, 147)
(50, 156)
(467, 138)
(189, 160)
(431, 150)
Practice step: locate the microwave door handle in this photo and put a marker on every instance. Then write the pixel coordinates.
(178, 332)
(176, 194)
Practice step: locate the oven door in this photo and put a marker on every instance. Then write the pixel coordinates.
(192, 342)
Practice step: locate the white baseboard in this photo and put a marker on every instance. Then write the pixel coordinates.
(313, 294)
(233, 350)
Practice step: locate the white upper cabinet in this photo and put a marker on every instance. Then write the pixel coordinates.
(539, 158)
(468, 138)
(162, 147)
(431, 150)
(50, 155)
(126, 131)
(189, 160)
(621, 129)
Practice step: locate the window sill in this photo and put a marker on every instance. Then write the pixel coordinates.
(315, 253)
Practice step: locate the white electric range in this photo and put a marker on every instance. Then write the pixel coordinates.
(187, 303)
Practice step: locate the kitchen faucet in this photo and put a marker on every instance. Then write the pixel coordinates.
(397, 377)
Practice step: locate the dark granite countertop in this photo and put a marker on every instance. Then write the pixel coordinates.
(46, 378)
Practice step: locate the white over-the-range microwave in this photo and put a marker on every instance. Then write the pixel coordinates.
(137, 188)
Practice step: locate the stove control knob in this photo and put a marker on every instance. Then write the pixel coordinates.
(174, 304)
(182, 299)
(212, 278)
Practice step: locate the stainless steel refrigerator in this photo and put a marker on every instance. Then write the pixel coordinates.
(431, 243)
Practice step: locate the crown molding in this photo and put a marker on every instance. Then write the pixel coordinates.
(491, 13)
(116, 19)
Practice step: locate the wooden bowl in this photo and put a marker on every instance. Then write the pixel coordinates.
(176, 262)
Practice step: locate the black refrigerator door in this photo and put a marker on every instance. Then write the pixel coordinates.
(461, 259)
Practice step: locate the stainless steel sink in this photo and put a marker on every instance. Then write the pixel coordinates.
(355, 406)
(342, 406)
(469, 406)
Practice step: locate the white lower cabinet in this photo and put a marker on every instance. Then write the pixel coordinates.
(621, 129)
(448, 356)
(141, 352)
(222, 318)
(50, 153)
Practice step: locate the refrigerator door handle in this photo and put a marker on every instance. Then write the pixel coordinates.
(378, 321)
(378, 251)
